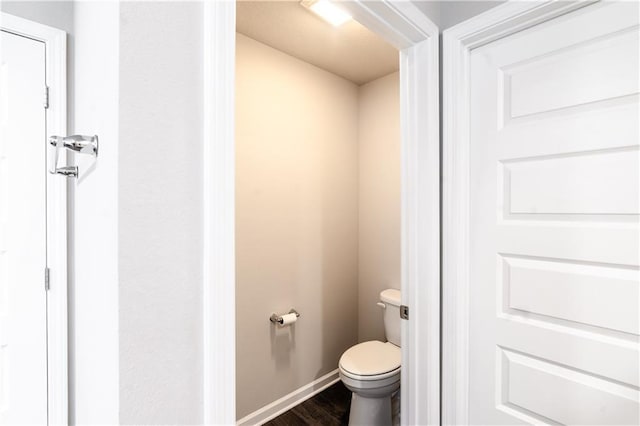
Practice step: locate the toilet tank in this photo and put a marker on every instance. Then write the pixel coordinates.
(391, 298)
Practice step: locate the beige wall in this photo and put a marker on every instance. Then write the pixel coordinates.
(297, 213)
(379, 200)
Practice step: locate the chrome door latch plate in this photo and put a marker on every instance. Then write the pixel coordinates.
(404, 312)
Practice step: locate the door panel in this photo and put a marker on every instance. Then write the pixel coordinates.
(570, 397)
(540, 186)
(572, 76)
(554, 241)
(577, 294)
(23, 361)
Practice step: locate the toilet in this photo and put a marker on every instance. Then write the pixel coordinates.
(371, 370)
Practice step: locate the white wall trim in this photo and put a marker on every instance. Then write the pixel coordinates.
(409, 30)
(56, 79)
(289, 401)
(219, 325)
(406, 27)
(458, 42)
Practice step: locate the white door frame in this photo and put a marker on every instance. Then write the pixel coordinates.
(409, 30)
(55, 42)
(458, 42)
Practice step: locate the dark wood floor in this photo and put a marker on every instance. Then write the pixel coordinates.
(328, 408)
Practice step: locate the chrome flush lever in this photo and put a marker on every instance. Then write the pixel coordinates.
(75, 143)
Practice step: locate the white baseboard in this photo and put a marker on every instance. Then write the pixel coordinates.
(285, 403)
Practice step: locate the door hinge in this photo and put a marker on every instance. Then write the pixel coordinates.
(404, 312)
(46, 279)
(46, 97)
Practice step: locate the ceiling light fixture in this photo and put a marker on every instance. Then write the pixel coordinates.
(327, 11)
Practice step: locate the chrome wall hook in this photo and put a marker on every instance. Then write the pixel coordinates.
(76, 143)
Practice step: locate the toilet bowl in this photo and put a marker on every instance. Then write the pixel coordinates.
(371, 370)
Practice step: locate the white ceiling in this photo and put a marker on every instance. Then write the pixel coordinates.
(350, 51)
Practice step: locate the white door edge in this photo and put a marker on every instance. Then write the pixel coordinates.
(407, 28)
(56, 117)
(458, 41)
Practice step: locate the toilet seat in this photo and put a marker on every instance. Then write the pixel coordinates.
(371, 361)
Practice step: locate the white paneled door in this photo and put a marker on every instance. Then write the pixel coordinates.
(23, 305)
(554, 291)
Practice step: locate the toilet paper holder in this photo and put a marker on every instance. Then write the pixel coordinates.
(277, 319)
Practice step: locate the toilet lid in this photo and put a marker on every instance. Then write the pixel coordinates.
(371, 358)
